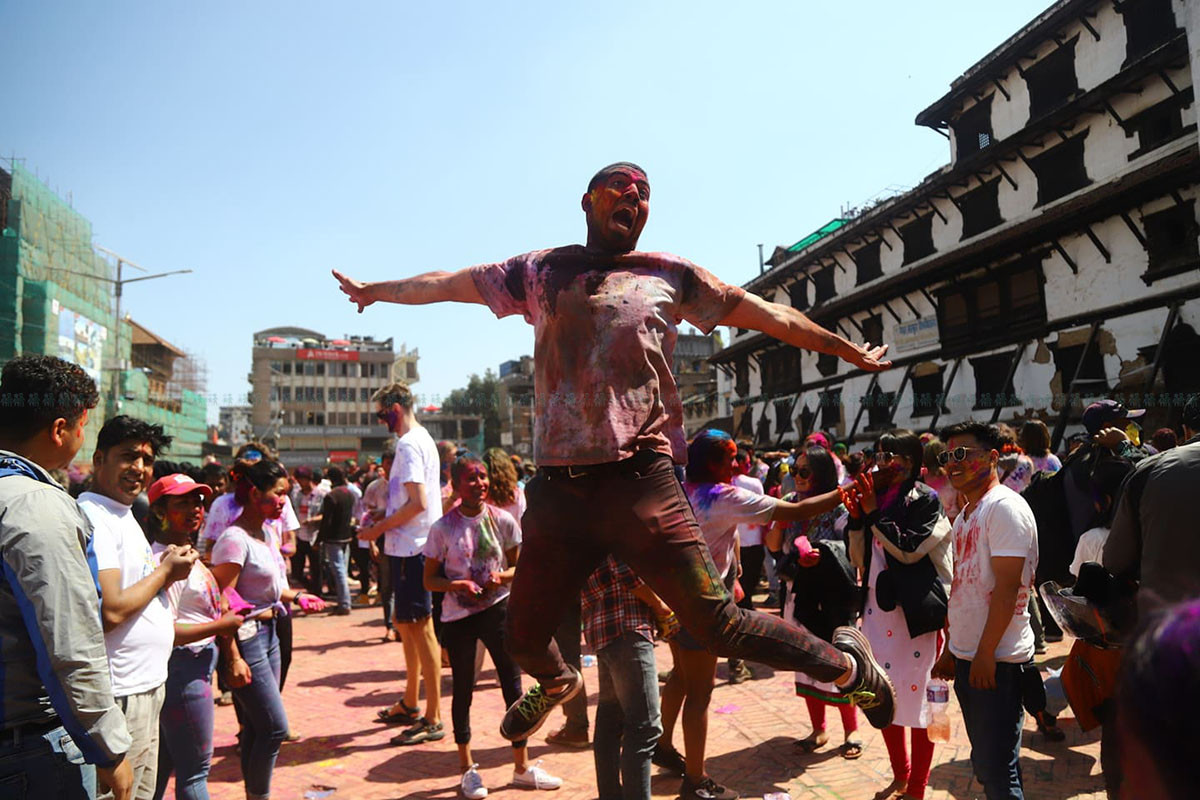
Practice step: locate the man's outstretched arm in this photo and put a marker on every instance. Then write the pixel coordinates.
(431, 287)
(789, 325)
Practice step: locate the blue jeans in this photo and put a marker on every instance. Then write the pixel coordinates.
(264, 720)
(44, 766)
(627, 718)
(186, 723)
(993, 719)
(335, 560)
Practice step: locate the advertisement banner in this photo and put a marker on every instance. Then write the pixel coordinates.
(312, 354)
(81, 341)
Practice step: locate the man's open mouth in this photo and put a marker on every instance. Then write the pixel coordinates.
(624, 217)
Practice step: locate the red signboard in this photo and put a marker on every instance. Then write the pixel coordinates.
(312, 354)
(338, 456)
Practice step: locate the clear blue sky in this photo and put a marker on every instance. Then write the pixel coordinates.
(261, 144)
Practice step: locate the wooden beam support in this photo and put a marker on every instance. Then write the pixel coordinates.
(1064, 416)
(899, 393)
(1012, 370)
(1098, 244)
(892, 312)
(1007, 177)
(937, 211)
(941, 400)
(883, 239)
(910, 305)
(928, 297)
(1070, 262)
(1172, 314)
(1136, 231)
(1167, 80)
(1090, 28)
(1000, 88)
(863, 405)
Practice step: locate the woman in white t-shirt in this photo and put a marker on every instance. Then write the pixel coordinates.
(471, 555)
(203, 626)
(245, 558)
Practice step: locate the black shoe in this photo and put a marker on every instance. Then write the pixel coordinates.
(874, 692)
(739, 672)
(525, 716)
(338, 611)
(706, 789)
(423, 731)
(669, 759)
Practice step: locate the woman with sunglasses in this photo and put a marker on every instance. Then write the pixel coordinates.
(900, 540)
(815, 473)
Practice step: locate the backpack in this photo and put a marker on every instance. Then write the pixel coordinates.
(1047, 498)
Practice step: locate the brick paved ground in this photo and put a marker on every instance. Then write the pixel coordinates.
(343, 672)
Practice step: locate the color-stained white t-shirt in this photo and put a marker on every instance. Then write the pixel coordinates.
(1000, 524)
(260, 582)
(194, 601)
(719, 509)
(750, 534)
(472, 548)
(138, 648)
(416, 462)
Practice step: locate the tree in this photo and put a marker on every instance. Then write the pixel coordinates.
(481, 396)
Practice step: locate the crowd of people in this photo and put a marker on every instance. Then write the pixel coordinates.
(909, 562)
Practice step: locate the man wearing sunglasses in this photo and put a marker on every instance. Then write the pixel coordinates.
(609, 431)
(995, 555)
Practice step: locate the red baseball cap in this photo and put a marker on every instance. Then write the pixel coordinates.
(175, 485)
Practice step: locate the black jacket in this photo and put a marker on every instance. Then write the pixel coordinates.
(914, 531)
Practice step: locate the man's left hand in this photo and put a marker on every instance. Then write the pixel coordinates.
(983, 671)
(1110, 438)
(868, 357)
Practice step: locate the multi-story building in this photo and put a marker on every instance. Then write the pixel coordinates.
(696, 378)
(57, 298)
(515, 392)
(311, 395)
(234, 425)
(1054, 259)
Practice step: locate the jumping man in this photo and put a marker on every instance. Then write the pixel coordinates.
(608, 431)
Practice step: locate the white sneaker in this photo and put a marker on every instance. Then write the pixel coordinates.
(534, 777)
(471, 786)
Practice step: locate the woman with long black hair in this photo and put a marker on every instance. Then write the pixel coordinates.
(244, 559)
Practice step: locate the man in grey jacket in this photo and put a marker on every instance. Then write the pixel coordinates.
(60, 728)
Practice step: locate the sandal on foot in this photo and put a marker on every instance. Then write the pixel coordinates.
(423, 731)
(811, 743)
(405, 716)
(851, 749)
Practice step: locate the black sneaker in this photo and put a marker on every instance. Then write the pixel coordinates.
(423, 731)
(706, 789)
(525, 716)
(739, 672)
(874, 692)
(669, 759)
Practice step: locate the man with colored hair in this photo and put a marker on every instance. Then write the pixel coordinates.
(60, 727)
(609, 430)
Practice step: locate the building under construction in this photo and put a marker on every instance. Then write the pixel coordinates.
(57, 298)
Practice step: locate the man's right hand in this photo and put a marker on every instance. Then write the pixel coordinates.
(119, 779)
(179, 561)
(356, 291)
(944, 667)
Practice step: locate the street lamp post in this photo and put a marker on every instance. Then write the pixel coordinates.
(119, 287)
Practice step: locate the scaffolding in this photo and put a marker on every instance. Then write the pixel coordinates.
(56, 298)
